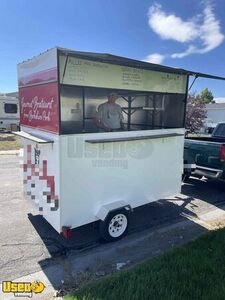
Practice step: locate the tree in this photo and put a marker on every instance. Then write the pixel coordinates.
(195, 113)
(206, 96)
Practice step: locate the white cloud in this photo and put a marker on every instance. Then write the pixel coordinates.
(171, 27)
(155, 58)
(190, 50)
(202, 33)
(210, 31)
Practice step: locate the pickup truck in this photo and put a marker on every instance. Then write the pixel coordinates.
(206, 155)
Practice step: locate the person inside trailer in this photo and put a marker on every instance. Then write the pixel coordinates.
(109, 116)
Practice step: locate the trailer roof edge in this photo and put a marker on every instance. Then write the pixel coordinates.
(115, 59)
(110, 58)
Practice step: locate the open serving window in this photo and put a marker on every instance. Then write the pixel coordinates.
(141, 110)
(149, 99)
(60, 91)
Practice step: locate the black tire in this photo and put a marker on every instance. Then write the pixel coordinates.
(118, 227)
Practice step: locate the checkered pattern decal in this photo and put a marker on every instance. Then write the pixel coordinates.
(38, 185)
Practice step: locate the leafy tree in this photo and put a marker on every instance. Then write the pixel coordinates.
(206, 96)
(195, 113)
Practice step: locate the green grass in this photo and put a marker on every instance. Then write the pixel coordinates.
(9, 142)
(194, 271)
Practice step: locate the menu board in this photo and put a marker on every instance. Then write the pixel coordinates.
(97, 74)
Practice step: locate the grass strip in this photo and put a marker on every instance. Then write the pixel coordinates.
(193, 271)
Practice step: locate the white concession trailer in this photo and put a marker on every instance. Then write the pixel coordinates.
(74, 173)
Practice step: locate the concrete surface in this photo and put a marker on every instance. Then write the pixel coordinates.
(30, 247)
(10, 152)
(76, 268)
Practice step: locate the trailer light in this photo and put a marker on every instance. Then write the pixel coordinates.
(67, 232)
(222, 153)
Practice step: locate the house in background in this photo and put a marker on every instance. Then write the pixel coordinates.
(12, 94)
(215, 115)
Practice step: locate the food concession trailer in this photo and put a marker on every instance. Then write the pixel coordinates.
(74, 173)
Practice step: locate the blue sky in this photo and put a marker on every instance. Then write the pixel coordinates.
(180, 33)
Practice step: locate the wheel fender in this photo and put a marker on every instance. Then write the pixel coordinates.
(105, 209)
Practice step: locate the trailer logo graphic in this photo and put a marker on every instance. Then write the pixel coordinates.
(23, 289)
(39, 107)
(36, 174)
(37, 153)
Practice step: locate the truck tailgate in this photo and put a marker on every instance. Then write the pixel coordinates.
(203, 153)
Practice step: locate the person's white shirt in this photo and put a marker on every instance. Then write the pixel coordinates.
(109, 115)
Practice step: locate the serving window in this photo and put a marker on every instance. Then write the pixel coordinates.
(141, 110)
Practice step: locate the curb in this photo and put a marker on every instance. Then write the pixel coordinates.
(12, 152)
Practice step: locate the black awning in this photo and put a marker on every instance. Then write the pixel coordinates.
(114, 59)
(203, 75)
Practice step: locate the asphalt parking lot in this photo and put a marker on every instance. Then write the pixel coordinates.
(28, 242)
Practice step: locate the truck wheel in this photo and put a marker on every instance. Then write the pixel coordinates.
(115, 225)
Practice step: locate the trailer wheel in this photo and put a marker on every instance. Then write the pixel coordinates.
(115, 225)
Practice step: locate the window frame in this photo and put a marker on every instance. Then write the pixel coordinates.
(6, 111)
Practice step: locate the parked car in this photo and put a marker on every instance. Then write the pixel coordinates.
(207, 154)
